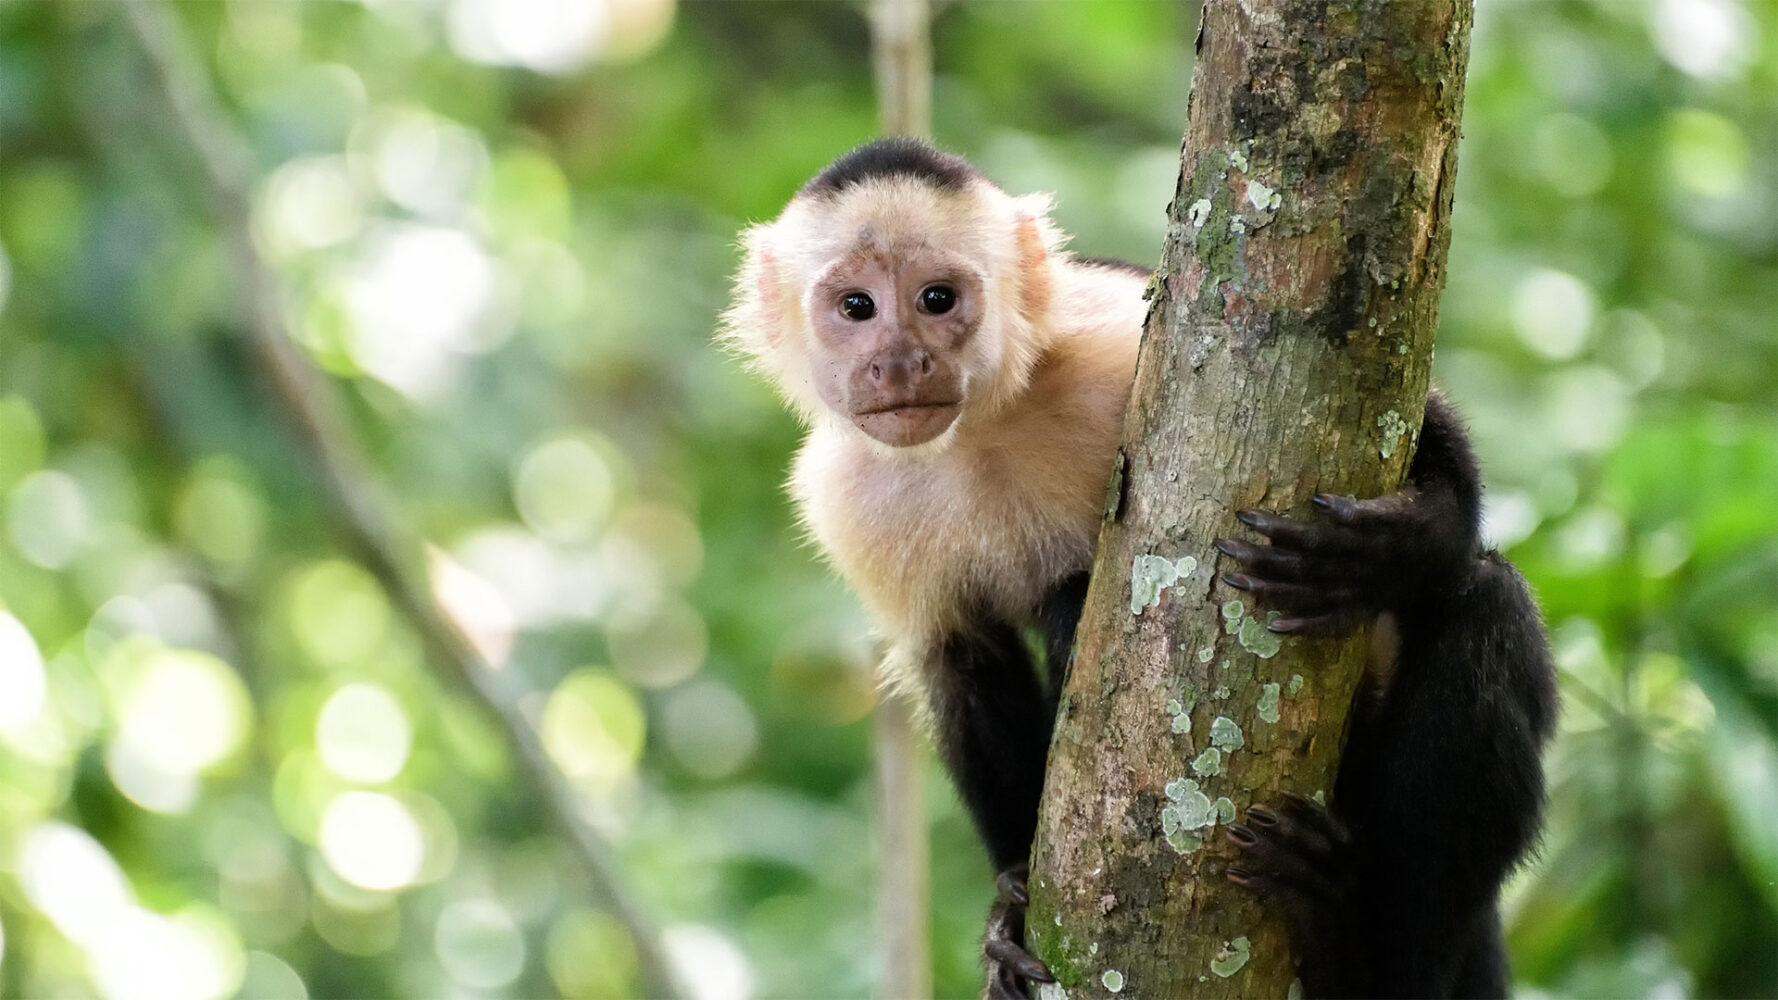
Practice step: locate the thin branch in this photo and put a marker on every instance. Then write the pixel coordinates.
(901, 50)
(362, 510)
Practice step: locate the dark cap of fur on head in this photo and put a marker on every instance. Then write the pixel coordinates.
(898, 157)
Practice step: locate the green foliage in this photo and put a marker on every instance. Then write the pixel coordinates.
(225, 764)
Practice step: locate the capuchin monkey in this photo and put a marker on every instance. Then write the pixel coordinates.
(964, 378)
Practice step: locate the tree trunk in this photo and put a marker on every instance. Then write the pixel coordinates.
(1287, 352)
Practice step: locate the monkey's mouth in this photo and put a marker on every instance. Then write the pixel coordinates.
(906, 424)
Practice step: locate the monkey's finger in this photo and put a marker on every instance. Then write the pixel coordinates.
(1291, 533)
(1295, 599)
(1267, 560)
(1016, 958)
(1379, 512)
(1309, 813)
(1304, 836)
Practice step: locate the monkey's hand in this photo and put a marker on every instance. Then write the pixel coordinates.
(1011, 969)
(1299, 860)
(1354, 560)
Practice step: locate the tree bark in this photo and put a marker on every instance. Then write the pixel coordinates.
(1287, 352)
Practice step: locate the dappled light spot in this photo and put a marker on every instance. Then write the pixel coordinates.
(1587, 406)
(269, 977)
(479, 944)
(1707, 154)
(73, 881)
(709, 728)
(50, 521)
(1711, 39)
(422, 161)
(362, 927)
(549, 36)
(594, 729)
(564, 489)
(542, 584)
(363, 735)
(23, 685)
(1552, 312)
(589, 953)
(419, 301)
(193, 955)
(1590, 538)
(220, 512)
(338, 613)
(308, 204)
(148, 783)
(179, 713)
(182, 710)
(1508, 518)
(709, 963)
(372, 841)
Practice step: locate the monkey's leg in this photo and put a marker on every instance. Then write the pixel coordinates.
(1440, 784)
(993, 720)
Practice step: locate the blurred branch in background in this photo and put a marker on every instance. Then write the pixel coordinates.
(362, 513)
(901, 49)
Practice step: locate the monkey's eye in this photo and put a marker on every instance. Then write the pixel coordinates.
(938, 299)
(858, 307)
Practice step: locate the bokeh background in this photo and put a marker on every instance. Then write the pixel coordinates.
(231, 764)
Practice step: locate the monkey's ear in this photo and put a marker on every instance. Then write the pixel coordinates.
(753, 323)
(1033, 266)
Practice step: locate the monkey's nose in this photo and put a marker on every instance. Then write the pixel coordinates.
(901, 371)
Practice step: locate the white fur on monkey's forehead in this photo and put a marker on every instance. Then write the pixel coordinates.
(904, 213)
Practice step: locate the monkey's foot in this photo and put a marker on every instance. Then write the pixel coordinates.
(1356, 558)
(1011, 969)
(1294, 855)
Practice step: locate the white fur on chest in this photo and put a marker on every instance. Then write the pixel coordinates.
(923, 538)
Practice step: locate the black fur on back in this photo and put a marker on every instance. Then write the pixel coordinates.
(897, 157)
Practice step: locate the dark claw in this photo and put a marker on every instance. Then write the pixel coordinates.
(1012, 887)
(1323, 501)
(1232, 548)
(1238, 581)
(1299, 626)
(1251, 518)
(1262, 816)
(1238, 875)
(1242, 836)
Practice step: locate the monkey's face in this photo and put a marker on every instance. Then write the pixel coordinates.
(890, 331)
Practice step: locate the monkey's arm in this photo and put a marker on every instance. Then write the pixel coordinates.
(994, 717)
(1440, 787)
(993, 722)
